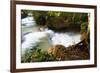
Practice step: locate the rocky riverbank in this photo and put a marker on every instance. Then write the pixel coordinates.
(78, 51)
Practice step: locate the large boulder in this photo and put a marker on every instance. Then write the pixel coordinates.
(57, 23)
(73, 52)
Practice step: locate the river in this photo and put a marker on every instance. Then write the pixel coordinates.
(33, 35)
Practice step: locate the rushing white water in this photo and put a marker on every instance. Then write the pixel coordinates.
(65, 39)
(28, 21)
(34, 38)
(46, 38)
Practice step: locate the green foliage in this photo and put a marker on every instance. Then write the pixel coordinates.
(55, 13)
(36, 55)
(84, 27)
(24, 13)
(61, 20)
(40, 17)
(57, 20)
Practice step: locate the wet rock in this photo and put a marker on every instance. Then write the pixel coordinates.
(72, 52)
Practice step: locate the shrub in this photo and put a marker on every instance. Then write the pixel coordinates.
(36, 55)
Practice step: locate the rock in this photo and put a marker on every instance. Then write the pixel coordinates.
(57, 23)
(72, 52)
(57, 51)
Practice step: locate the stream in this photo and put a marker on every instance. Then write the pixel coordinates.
(33, 35)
